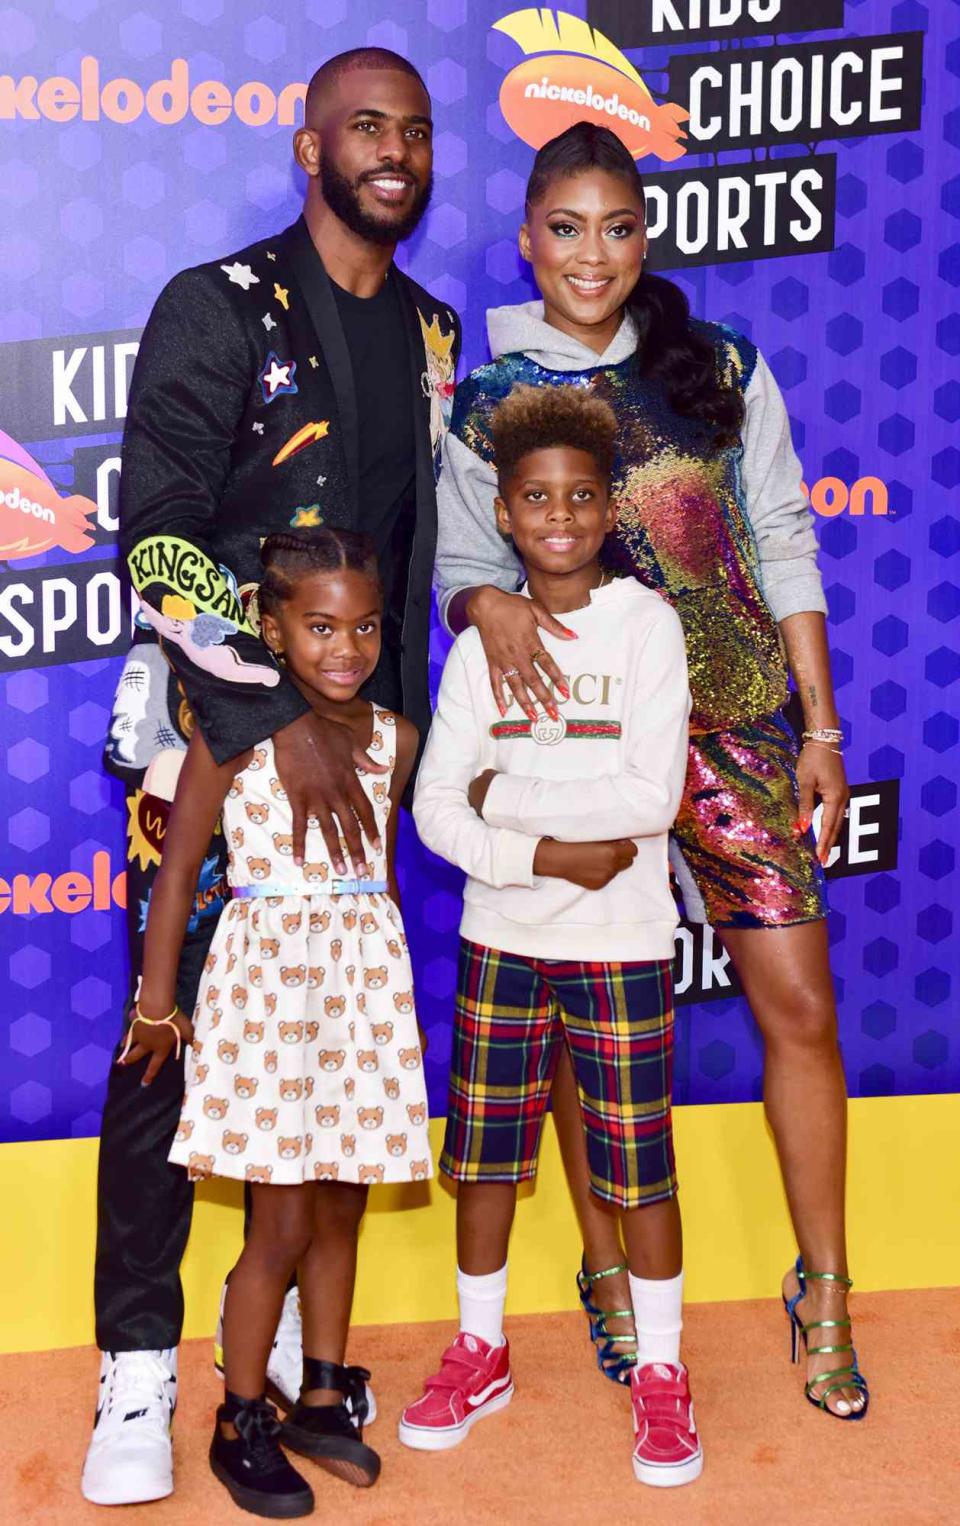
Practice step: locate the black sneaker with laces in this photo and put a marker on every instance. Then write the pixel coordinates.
(252, 1466)
(332, 1434)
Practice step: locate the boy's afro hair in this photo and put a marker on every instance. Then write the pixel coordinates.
(534, 418)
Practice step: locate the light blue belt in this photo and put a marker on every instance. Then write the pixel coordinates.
(335, 887)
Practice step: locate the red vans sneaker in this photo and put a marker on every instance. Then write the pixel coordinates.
(474, 1380)
(667, 1450)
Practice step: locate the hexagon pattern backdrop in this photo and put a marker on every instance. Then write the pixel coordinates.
(864, 339)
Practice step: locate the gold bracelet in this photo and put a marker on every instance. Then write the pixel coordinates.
(151, 1022)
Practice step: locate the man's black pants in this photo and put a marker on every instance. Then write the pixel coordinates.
(144, 1204)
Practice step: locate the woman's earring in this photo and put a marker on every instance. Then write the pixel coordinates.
(280, 656)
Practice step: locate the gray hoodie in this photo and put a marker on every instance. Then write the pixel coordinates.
(470, 550)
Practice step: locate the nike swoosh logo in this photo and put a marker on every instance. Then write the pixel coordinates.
(488, 1392)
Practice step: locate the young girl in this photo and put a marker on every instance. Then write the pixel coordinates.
(306, 1077)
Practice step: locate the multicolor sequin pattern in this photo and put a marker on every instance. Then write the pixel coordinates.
(682, 526)
(735, 832)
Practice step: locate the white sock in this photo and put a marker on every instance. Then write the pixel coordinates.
(658, 1313)
(482, 1301)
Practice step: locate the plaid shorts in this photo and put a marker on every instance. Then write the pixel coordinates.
(617, 1020)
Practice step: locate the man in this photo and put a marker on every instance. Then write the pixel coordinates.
(303, 380)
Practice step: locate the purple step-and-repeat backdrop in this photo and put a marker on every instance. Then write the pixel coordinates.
(803, 165)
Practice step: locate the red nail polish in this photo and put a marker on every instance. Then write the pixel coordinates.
(564, 691)
(553, 713)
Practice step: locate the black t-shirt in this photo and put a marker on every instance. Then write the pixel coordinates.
(377, 343)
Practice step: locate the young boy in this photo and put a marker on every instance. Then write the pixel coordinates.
(568, 922)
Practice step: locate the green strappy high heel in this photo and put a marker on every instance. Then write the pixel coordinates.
(841, 1377)
(615, 1365)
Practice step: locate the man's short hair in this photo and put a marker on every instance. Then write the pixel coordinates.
(328, 74)
(534, 418)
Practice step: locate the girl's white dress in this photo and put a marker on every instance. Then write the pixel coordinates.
(306, 1064)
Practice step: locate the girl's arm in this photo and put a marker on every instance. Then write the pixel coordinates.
(820, 769)
(201, 790)
(408, 740)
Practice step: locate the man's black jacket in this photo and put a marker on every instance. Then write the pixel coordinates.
(242, 420)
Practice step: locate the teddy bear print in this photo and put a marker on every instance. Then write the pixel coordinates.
(334, 1006)
(417, 1113)
(270, 1003)
(308, 1086)
(291, 921)
(245, 1086)
(396, 1144)
(380, 791)
(391, 1087)
(199, 1165)
(319, 921)
(270, 1062)
(367, 1059)
(370, 1174)
(376, 742)
(291, 1091)
(370, 1117)
(350, 919)
(258, 759)
(312, 1031)
(215, 1107)
(209, 965)
(234, 1144)
(213, 995)
(419, 1170)
(283, 843)
(315, 976)
(368, 922)
(262, 1174)
(257, 811)
(403, 1001)
(277, 790)
(252, 1032)
(197, 1047)
(236, 788)
(293, 974)
(290, 1033)
(255, 975)
(184, 1129)
(348, 1144)
(215, 1017)
(350, 971)
(331, 1059)
(326, 1170)
(393, 948)
(362, 1002)
(289, 1149)
(231, 963)
(266, 1118)
(227, 1052)
(316, 874)
(238, 995)
(349, 1087)
(410, 1059)
(200, 1074)
(376, 978)
(236, 837)
(269, 948)
(259, 868)
(327, 1117)
(382, 1032)
(336, 948)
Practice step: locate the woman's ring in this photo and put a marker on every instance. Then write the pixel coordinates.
(511, 672)
(540, 652)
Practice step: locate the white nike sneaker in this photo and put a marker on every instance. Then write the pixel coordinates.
(285, 1363)
(130, 1456)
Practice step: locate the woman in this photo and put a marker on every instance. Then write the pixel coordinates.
(711, 513)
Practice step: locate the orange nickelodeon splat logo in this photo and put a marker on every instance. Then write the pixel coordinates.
(573, 74)
(28, 895)
(829, 496)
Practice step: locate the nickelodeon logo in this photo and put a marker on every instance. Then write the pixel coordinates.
(572, 74)
(166, 101)
(829, 496)
(28, 895)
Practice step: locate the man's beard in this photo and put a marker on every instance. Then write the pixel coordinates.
(343, 199)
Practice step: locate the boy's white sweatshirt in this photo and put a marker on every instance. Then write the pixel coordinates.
(612, 767)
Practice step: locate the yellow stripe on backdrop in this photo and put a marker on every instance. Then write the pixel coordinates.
(903, 1233)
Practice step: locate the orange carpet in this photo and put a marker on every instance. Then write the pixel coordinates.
(561, 1452)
